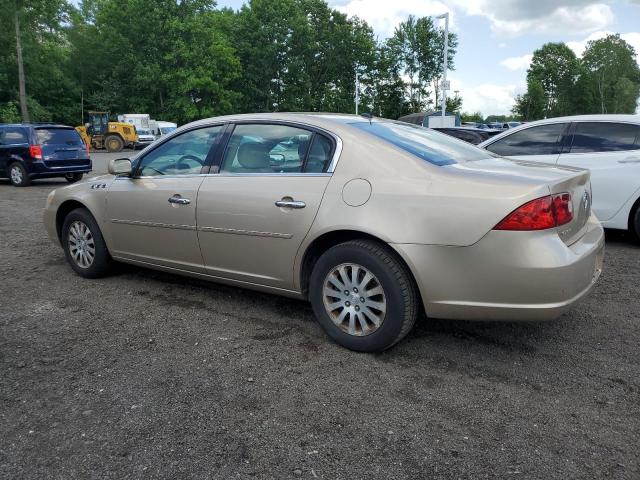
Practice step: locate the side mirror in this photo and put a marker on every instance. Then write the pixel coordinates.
(119, 166)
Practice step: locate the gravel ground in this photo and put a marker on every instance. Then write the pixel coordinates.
(150, 375)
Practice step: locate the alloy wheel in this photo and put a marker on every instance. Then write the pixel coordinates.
(81, 244)
(16, 174)
(354, 299)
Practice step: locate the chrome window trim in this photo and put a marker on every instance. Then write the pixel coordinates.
(226, 174)
(185, 128)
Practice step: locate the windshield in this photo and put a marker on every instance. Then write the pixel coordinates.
(143, 131)
(166, 130)
(434, 147)
(58, 136)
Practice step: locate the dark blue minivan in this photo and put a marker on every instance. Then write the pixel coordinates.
(42, 150)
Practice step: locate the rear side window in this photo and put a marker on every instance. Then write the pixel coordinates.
(275, 148)
(429, 145)
(13, 135)
(605, 137)
(58, 136)
(540, 140)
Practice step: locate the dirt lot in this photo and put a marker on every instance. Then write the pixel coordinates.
(149, 375)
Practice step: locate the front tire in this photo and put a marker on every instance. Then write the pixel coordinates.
(18, 176)
(363, 295)
(113, 144)
(73, 177)
(83, 244)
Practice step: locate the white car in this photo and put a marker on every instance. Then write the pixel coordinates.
(608, 145)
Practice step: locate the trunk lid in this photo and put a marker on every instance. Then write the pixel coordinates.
(556, 179)
(61, 145)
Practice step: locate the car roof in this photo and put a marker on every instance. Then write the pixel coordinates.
(35, 125)
(317, 119)
(605, 117)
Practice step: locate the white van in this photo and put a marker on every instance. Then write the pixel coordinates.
(160, 128)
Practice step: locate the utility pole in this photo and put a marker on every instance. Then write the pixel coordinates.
(357, 91)
(445, 84)
(21, 88)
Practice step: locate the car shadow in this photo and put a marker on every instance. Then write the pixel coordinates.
(38, 182)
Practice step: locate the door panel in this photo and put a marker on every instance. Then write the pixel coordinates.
(152, 216)
(245, 236)
(145, 226)
(614, 178)
(610, 150)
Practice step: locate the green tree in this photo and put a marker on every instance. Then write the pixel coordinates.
(612, 75)
(531, 105)
(418, 46)
(472, 117)
(454, 104)
(554, 67)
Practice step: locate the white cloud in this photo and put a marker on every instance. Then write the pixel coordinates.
(520, 17)
(490, 99)
(517, 63)
(385, 15)
(632, 38)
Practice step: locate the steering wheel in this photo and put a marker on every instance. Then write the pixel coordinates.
(184, 158)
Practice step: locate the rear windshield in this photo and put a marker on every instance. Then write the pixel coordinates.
(434, 147)
(58, 136)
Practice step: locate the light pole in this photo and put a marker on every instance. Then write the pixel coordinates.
(357, 91)
(445, 85)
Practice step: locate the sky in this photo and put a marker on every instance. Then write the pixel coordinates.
(496, 38)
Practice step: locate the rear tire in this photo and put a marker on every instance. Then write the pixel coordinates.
(73, 177)
(113, 144)
(635, 224)
(363, 296)
(18, 176)
(84, 245)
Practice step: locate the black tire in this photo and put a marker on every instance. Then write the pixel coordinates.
(102, 261)
(20, 180)
(73, 177)
(113, 144)
(635, 225)
(400, 291)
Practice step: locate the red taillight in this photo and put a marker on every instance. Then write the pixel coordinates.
(540, 214)
(86, 146)
(35, 151)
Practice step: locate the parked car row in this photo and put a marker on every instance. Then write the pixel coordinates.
(370, 220)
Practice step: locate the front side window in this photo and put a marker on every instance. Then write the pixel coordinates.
(272, 148)
(185, 154)
(434, 147)
(540, 140)
(605, 137)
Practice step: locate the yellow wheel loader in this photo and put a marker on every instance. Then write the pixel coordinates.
(99, 133)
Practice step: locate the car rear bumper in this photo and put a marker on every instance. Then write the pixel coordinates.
(507, 275)
(44, 169)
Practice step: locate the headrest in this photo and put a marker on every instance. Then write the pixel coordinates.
(253, 156)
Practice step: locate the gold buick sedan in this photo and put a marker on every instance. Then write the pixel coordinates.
(371, 220)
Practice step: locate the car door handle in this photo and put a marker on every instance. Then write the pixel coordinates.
(290, 204)
(179, 200)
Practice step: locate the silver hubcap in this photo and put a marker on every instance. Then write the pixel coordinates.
(81, 244)
(16, 174)
(354, 299)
